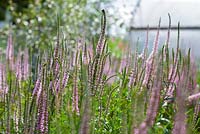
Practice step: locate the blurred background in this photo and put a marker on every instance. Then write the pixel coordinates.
(34, 22)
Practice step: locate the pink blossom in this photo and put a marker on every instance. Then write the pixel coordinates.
(194, 97)
(75, 98)
(26, 64)
(149, 61)
(65, 79)
(42, 117)
(10, 52)
(3, 84)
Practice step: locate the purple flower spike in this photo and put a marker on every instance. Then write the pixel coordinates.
(10, 52)
(3, 84)
(26, 64)
(65, 80)
(42, 117)
(150, 60)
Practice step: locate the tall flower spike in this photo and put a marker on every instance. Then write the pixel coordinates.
(42, 117)
(75, 98)
(38, 87)
(57, 86)
(196, 113)
(57, 52)
(175, 65)
(96, 69)
(65, 79)
(26, 64)
(194, 97)
(18, 65)
(166, 47)
(153, 104)
(155, 48)
(3, 84)
(180, 117)
(10, 52)
(173, 72)
(150, 60)
(102, 35)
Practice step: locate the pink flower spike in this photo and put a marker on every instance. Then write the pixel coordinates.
(37, 85)
(75, 101)
(57, 86)
(149, 61)
(65, 80)
(194, 97)
(26, 64)
(10, 51)
(3, 84)
(18, 68)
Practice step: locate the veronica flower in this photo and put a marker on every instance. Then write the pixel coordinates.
(154, 101)
(180, 125)
(57, 85)
(148, 70)
(10, 51)
(22, 66)
(38, 87)
(196, 113)
(142, 129)
(97, 65)
(3, 84)
(180, 117)
(149, 61)
(102, 35)
(16, 120)
(167, 41)
(75, 98)
(26, 64)
(42, 117)
(56, 69)
(18, 65)
(153, 105)
(65, 79)
(194, 97)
